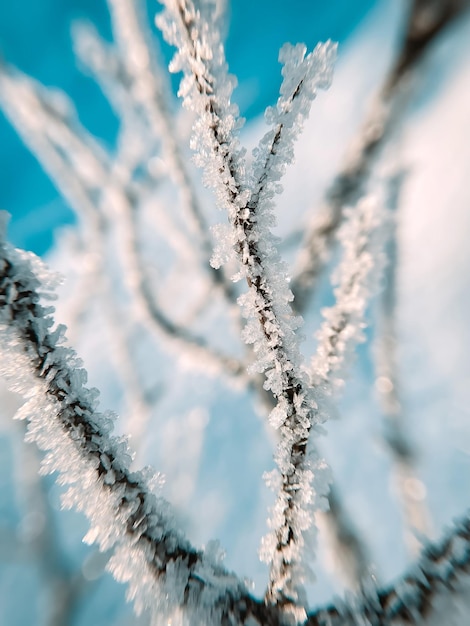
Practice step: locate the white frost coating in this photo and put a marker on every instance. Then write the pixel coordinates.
(206, 89)
(303, 76)
(362, 238)
(271, 327)
(164, 573)
(64, 147)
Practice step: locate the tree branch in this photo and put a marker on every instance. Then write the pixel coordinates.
(82, 171)
(271, 328)
(151, 91)
(163, 570)
(443, 570)
(427, 19)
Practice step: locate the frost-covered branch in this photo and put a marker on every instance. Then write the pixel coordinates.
(139, 141)
(362, 238)
(82, 171)
(206, 89)
(164, 572)
(344, 545)
(78, 166)
(303, 76)
(150, 90)
(427, 19)
(434, 591)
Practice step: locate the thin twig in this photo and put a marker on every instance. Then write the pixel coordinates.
(149, 87)
(410, 490)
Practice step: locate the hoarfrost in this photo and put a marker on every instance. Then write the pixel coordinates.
(362, 238)
(149, 552)
(271, 327)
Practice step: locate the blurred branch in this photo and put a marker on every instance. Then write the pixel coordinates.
(410, 490)
(442, 570)
(150, 90)
(347, 552)
(426, 21)
(82, 171)
(40, 541)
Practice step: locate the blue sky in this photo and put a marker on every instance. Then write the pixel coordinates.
(35, 36)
